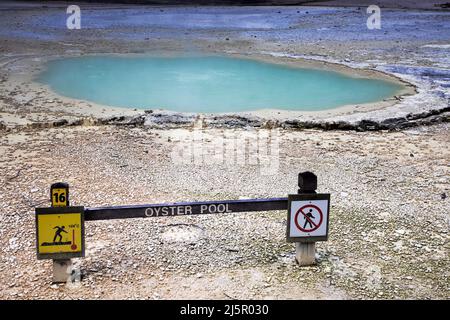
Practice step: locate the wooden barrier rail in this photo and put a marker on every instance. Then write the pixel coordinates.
(184, 208)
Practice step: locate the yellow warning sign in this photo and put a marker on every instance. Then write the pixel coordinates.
(60, 232)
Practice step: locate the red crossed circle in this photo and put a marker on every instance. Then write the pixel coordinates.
(307, 218)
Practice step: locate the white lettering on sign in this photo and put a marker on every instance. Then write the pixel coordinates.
(186, 210)
(203, 208)
(215, 208)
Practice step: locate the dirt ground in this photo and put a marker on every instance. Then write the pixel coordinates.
(388, 223)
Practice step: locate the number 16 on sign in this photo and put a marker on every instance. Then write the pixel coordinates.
(59, 193)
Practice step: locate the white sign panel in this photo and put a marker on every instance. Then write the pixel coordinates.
(308, 217)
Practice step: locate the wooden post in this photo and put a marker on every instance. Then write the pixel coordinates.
(59, 196)
(305, 252)
(62, 270)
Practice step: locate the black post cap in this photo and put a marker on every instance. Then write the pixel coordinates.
(59, 185)
(307, 182)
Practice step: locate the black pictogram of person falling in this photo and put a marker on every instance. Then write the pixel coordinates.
(58, 232)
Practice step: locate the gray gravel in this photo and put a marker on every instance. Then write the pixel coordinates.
(388, 224)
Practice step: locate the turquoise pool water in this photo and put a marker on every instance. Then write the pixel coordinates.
(207, 84)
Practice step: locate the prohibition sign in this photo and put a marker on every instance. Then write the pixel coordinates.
(302, 211)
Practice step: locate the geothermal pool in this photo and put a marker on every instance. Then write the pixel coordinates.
(208, 84)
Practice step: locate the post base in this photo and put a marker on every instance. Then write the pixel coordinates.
(62, 270)
(305, 253)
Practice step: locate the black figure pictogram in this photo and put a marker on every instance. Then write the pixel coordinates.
(58, 233)
(307, 221)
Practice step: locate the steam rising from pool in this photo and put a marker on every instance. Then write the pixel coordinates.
(208, 84)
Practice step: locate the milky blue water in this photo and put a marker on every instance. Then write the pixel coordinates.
(207, 84)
